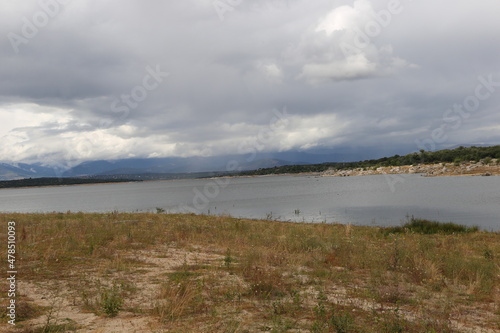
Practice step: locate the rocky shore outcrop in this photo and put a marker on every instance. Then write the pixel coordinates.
(441, 169)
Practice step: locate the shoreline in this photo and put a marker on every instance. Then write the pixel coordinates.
(427, 170)
(65, 185)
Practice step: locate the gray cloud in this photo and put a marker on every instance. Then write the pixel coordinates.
(64, 93)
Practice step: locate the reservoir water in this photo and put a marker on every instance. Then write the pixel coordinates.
(363, 200)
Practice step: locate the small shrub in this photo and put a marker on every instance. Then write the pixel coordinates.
(182, 276)
(342, 322)
(421, 226)
(265, 283)
(488, 254)
(336, 320)
(112, 301)
(487, 160)
(68, 326)
(228, 259)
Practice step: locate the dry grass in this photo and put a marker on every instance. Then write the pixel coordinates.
(190, 273)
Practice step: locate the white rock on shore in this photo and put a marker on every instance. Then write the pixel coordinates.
(441, 169)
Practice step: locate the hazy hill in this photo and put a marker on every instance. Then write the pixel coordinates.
(281, 162)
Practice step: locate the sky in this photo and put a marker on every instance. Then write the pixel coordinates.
(87, 79)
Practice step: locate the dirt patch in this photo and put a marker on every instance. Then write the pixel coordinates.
(63, 304)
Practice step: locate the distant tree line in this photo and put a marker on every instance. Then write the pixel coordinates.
(28, 182)
(457, 156)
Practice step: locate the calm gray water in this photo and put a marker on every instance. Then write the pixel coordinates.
(363, 200)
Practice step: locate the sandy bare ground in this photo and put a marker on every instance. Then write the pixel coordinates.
(65, 303)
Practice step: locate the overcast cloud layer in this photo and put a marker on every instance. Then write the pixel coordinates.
(88, 79)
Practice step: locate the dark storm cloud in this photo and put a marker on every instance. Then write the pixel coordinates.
(86, 77)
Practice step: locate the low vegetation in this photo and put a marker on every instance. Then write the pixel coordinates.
(30, 182)
(457, 156)
(427, 227)
(193, 273)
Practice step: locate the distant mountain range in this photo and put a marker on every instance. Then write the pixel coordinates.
(10, 171)
(167, 165)
(185, 167)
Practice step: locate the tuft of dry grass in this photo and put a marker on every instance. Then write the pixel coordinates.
(178, 300)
